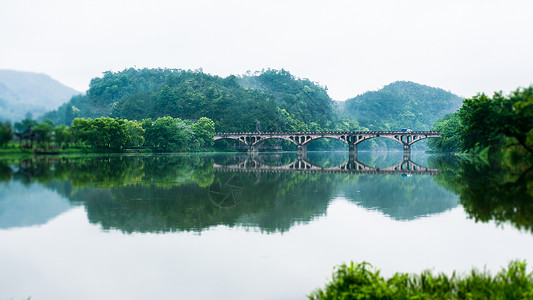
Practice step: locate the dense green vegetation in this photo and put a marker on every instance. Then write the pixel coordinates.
(401, 105)
(307, 102)
(362, 281)
(268, 101)
(165, 134)
(6, 133)
(501, 123)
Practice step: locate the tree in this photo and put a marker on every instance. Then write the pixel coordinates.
(6, 133)
(62, 135)
(449, 127)
(25, 124)
(82, 131)
(136, 132)
(44, 131)
(108, 133)
(204, 131)
(486, 121)
(167, 134)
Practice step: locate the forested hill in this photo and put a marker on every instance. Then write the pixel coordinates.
(303, 99)
(23, 92)
(401, 104)
(268, 101)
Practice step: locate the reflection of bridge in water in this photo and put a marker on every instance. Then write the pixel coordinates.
(301, 139)
(302, 165)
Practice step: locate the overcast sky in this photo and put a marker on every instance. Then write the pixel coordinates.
(349, 46)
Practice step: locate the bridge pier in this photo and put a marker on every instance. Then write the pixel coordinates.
(302, 148)
(406, 152)
(352, 148)
(253, 148)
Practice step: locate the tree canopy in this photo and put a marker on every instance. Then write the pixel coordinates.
(401, 104)
(499, 122)
(271, 100)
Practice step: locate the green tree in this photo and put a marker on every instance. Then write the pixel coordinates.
(6, 133)
(62, 135)
(105, 133)
(204, 131)
(82, 131)
(167, 134)
(44, 131)
(136, 132)
(25, 124)
(487, 121)
(449, 127)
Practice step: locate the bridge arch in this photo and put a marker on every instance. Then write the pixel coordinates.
(229, 138)
(352, 138)
(261, 140)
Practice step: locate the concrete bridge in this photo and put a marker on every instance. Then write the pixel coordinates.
(302, 165)
(352, 138)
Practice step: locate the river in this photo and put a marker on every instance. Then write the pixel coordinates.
(262, 226)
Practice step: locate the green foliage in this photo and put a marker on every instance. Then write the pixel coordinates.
(6, 133)
(499, 123)
(448, 126)
(362, 281)
(305, 101)
(279, 102)
(401, 105)
(62, 135)
(167, 134)
(204, 131)
(487, 121)
(103, 133)
(136, 133)
(44, 131)
(25, 124)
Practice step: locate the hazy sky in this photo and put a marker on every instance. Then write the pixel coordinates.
(350, 46)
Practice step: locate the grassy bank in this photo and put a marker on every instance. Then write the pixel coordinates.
(362, 281)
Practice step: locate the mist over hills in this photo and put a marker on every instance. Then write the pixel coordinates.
(23, 92)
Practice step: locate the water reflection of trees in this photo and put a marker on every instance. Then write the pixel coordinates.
(174, 192)
(189, 207)
(497, 191)
(164, 193)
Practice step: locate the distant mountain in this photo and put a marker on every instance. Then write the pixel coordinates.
(23, 92)
(401, 104)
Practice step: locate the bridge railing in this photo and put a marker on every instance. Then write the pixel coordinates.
(328, 132)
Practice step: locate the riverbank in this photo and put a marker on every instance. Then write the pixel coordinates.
(362, 281)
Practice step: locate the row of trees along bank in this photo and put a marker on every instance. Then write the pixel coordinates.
(501, 122)
(165, 134)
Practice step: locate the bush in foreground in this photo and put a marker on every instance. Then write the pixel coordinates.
(362, 281)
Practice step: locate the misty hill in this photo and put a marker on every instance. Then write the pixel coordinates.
(401, 104)
(269, 101)
(22, 92)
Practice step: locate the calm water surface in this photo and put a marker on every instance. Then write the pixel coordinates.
(268, 226)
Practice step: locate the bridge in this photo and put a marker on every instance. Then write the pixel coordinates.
(302, 165)
(352, 138)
